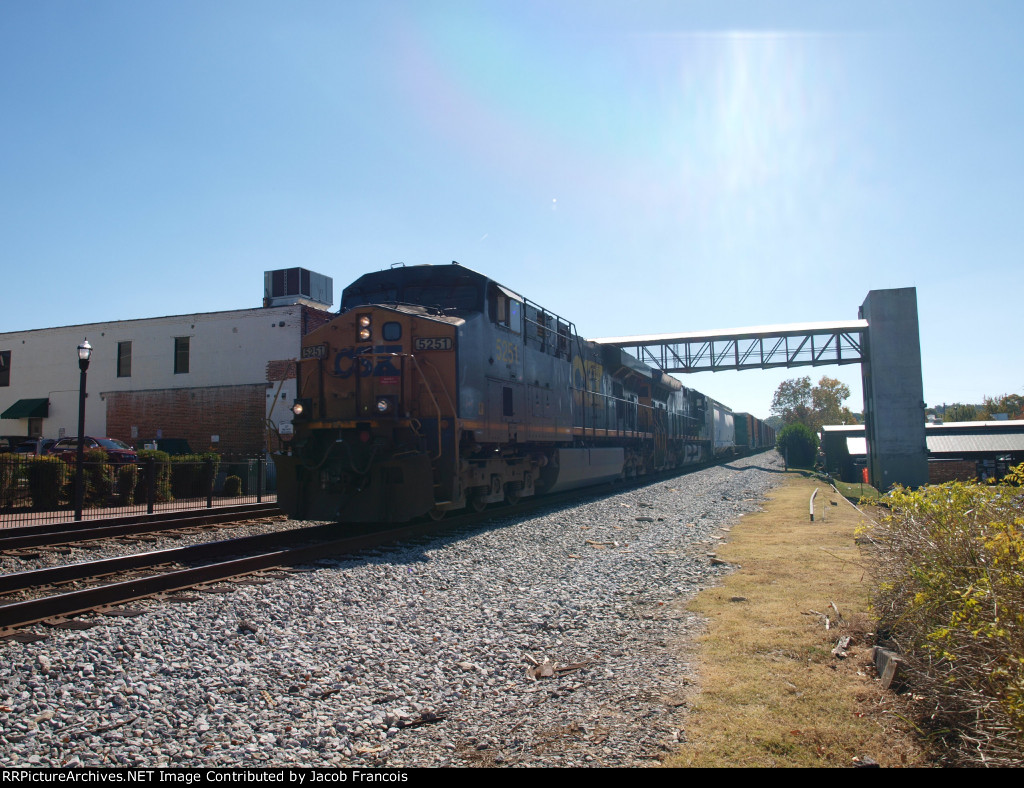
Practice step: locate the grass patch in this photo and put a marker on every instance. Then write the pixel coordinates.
(857, 491)
(771, 692)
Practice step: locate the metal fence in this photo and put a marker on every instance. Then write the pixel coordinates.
(42, 490)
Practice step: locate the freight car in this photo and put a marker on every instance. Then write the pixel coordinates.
(724, 429)
(752, 434)
(437, 388)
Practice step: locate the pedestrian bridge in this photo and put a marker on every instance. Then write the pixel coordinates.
(755, 347)
(884, 340)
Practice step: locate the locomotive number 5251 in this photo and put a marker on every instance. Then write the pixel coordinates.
(432, 343)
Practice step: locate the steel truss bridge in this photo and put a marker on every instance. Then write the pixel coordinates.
(885, 340)
(756, 347)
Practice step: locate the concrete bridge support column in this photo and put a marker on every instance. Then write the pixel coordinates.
(893, 390)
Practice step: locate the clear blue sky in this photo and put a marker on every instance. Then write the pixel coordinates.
(638, 167)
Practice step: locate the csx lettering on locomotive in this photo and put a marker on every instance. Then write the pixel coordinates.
(359, 360)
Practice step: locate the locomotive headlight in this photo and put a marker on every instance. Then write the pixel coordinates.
(364, 333)
(383, 405)
(297, 408)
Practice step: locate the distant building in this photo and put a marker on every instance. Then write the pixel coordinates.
(216, 379)
(961, 451)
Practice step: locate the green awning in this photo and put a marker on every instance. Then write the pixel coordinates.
(28, 409)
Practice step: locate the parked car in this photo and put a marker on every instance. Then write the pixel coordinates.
(38, 448)
(8, 443)
(118, 452)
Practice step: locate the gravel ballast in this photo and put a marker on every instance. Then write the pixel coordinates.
(548, 639)
(111, 547)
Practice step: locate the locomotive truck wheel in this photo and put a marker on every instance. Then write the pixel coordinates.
(436, 513)
(478, 501)
(513, 492)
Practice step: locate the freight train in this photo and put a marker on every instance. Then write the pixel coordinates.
(436, 388)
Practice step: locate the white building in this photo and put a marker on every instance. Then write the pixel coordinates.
(214, 379)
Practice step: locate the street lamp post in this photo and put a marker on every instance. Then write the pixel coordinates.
(84, 352)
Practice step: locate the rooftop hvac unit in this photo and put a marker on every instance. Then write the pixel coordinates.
(297, 286)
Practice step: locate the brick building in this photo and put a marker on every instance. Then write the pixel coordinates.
(216, 379)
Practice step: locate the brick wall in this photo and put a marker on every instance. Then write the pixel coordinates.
(235, 413)
(281, 370)
(952, 471)
(314, 318)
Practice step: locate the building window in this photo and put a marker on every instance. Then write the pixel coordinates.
(181, 355)
(5, 368)
(124, 359)
(35, 428)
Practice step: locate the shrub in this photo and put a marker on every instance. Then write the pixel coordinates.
(10, 471)
(233, 486)
(192, 475)
(241, 469)
(99, 477)
(47, 477)
(798, 444)
(127, 479)
(948, 563)
(161, 470)
(185, 476)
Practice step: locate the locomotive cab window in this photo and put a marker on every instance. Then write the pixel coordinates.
(506, 309)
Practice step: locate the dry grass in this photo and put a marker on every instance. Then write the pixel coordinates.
(771, 693)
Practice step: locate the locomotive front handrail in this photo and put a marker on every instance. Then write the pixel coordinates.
(437, 405)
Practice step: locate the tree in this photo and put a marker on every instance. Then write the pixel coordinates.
(798, 444)
(1010, 404)
(797, 402)
(827, 401)
(792, 401)
(960, 412)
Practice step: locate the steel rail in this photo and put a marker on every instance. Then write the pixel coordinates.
(64, 533)
(66, 573)
(69, 604)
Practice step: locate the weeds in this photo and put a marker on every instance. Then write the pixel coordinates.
(950, 578)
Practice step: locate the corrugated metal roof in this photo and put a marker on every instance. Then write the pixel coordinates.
(954, 444)
(796, 329)
(944, 444)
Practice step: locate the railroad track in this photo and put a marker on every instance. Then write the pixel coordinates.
(170, 573)
(54, 534)
(264, 552)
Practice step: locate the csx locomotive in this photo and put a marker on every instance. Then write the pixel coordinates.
(437, 388)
